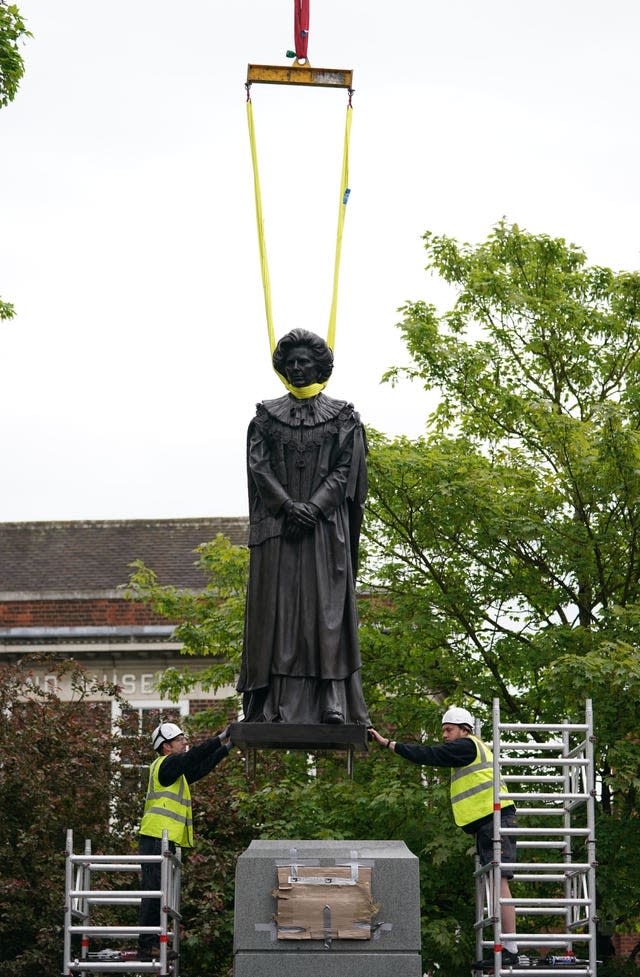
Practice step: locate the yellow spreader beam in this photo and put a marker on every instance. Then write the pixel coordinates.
(299, 74)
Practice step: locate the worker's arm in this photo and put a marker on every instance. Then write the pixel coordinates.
(459, 753)
(195, 763)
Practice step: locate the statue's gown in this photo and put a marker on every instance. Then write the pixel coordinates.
(301, 656)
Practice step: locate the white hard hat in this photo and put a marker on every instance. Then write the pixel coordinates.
(163, 733)
(458, 716)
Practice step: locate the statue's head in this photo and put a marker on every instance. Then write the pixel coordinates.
(303, 357)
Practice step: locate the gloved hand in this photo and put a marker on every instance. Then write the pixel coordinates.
(301, 518)
(304, 514)
(225, 736)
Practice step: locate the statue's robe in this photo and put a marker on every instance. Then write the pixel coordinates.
(301, 656)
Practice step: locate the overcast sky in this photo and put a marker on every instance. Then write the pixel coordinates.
(127, 229)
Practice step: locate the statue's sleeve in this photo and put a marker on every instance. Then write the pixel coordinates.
(271, 491)
(332, 490)
(357, 493)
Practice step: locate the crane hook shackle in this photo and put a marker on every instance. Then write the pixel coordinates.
(301, 28)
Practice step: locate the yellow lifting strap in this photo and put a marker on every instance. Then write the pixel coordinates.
(314, 388)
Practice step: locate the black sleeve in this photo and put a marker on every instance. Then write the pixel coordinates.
(457, 754)
(194, 764)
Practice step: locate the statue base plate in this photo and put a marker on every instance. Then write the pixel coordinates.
(311, 737)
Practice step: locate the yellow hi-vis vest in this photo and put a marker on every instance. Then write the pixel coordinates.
(167, 809)
(472, 787)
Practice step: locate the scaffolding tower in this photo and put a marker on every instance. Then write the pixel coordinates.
(80, 898)
(548, 772)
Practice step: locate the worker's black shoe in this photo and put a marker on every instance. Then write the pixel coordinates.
(153, 953)
(148, 954)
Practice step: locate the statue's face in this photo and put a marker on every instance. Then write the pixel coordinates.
(300, 367)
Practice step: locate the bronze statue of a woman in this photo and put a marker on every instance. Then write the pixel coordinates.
(306, 461)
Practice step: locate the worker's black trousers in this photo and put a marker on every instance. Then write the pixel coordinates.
(151, 873)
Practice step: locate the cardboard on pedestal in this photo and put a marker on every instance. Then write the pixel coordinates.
(374, 933)
(322, 903)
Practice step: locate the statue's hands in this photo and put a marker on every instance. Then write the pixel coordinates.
(305, 514)
(300, 517)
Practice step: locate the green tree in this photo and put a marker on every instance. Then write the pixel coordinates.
(62, 768)
(209, 622)
(7, 310)
(12, 32)
(55, 774)
(504, 543)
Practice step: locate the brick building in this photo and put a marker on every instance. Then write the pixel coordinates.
(61, 591)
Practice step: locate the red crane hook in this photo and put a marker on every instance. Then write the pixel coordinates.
(301, 28)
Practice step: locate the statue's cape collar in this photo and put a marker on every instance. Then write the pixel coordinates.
(314, 410)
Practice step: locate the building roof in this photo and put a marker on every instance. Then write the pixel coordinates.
(92, 557)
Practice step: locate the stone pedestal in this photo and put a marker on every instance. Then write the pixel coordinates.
(392, 951)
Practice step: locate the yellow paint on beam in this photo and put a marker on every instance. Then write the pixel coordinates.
(299, 74)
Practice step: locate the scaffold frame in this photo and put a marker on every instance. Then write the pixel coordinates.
(81, 896)
(548, 773)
